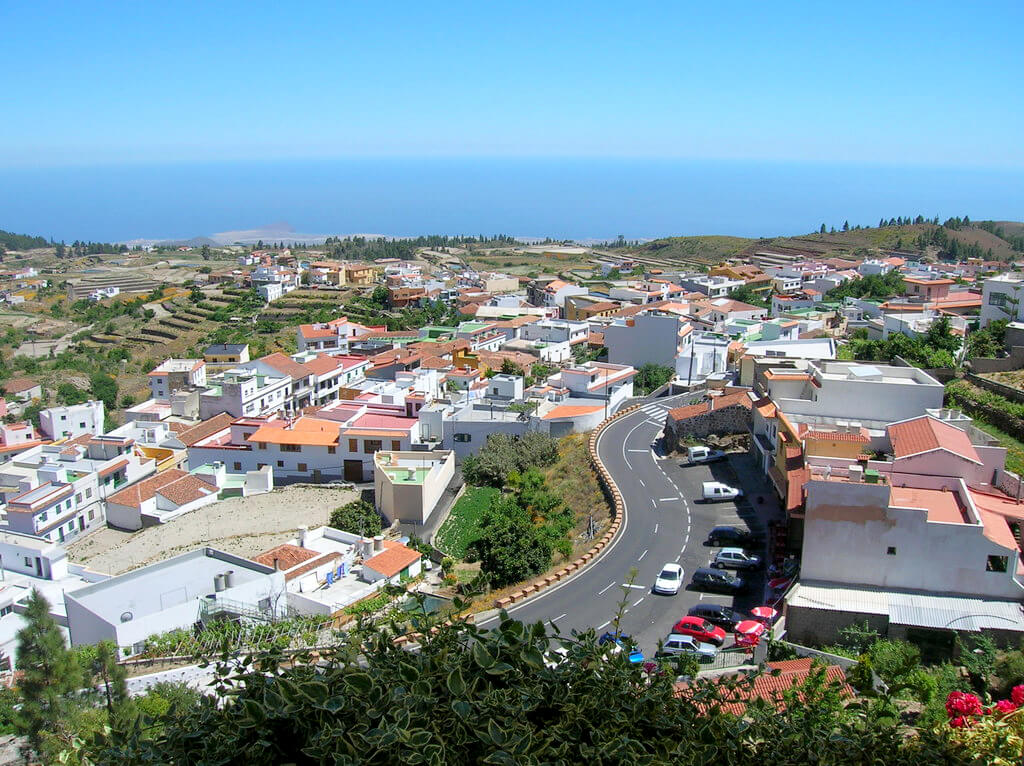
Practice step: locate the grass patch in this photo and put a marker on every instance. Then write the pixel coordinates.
(1014, 447)
(573, 479)
(463, 523)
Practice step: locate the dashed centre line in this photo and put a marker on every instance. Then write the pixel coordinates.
(642, 555)
(606, 587)
(637, 602)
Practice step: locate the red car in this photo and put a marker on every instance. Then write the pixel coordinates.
(700, 629)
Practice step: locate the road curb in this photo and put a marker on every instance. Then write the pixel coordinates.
(618, 509)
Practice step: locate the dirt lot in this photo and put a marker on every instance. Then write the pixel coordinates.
(243, 526)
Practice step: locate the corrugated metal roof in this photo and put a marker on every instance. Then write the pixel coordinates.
(913, 609)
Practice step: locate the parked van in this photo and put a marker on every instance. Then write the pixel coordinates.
(715, 490)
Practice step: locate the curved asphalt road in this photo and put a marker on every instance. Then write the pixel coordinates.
(663, 523)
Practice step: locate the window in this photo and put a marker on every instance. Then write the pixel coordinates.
(353, 445)
(81, 425)
(261, 445)
(88, 491)
(238, 466)
(331, 450)
(395, 444)
(372, 445)
(291, 448)
(280, 464)
(92, 515)
(302, 467)
(890, 551)
(28, 561)
(997, 299)
(78, 497)
(996, 564)
(463, 438)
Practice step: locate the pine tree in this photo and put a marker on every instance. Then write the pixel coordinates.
(49, 671)
(846, 225)
(822, 229)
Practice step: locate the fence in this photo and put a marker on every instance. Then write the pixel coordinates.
(1015, 361)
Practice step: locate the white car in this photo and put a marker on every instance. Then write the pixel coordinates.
(715, 490)
(670, 579)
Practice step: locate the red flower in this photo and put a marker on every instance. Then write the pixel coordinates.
(962, 704)
(959, 722)
(1005, 706)
(1017, 695)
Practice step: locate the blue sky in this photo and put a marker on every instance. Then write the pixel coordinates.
(933, 84)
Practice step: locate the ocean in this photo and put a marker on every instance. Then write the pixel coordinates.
(561, 198)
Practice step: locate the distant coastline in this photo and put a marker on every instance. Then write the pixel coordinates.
(580, 199)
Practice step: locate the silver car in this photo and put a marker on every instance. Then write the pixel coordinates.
(735, 558)
(677, 643)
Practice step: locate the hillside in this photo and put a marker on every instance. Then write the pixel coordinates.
(704, 251)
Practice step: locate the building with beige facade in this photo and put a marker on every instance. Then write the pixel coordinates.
(408, 485)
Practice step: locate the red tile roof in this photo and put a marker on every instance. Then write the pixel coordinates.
(393, 559)
(287, 556)
(187, 489)
(200, 431)
(18, 385)
(135, 495)
(286, 365)
(924, 434)
(771, 686)
(716, 403)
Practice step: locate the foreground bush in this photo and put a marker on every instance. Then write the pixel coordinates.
(505, 697)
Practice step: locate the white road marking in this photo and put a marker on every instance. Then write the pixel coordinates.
(701, 597)
(606, 587)
(642, 483)
(636, 450)
(628, 585)
(605, 625)
(655, 529)
(637, 602)
(642, 555)
(667, 499)
(552, 622)
(679, 557)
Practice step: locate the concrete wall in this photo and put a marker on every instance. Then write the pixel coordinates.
(849, 528)
(822, 626)
(651, 339)
(1015, 361)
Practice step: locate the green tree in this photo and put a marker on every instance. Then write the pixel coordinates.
(104, 388)
(511, 547)
(204, 251)
(651, 377)
(508, 367)
(68, 394)
(380, 296)
(48, 671)
(517, 694)
(746, 294)
(358, 517)
(503, 455)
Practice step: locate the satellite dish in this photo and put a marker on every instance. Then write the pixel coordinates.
(127, 616)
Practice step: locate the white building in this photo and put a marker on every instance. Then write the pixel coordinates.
(713, 287)
(175, 594)
(173, 374)
(874, 266)
(58, 491)
(408, 485)
(244, 393)
(73, 420)
(874, 394)
(1001, 298)
(555, 331)
(702, 354)
(647, 338)
(160, 498)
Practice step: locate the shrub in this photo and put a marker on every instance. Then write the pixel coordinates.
(358, 517)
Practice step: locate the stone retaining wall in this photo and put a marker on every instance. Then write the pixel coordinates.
(614, 497)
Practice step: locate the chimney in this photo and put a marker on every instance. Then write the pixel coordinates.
(277, 563)
(378, 543)
(218, 583)
(229, 578)
(303, 531)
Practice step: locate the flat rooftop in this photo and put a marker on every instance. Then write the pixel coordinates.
(154, 588)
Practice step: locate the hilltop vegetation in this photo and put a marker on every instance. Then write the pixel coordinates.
(11, 241)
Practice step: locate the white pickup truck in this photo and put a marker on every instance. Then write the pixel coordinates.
(698, 455)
